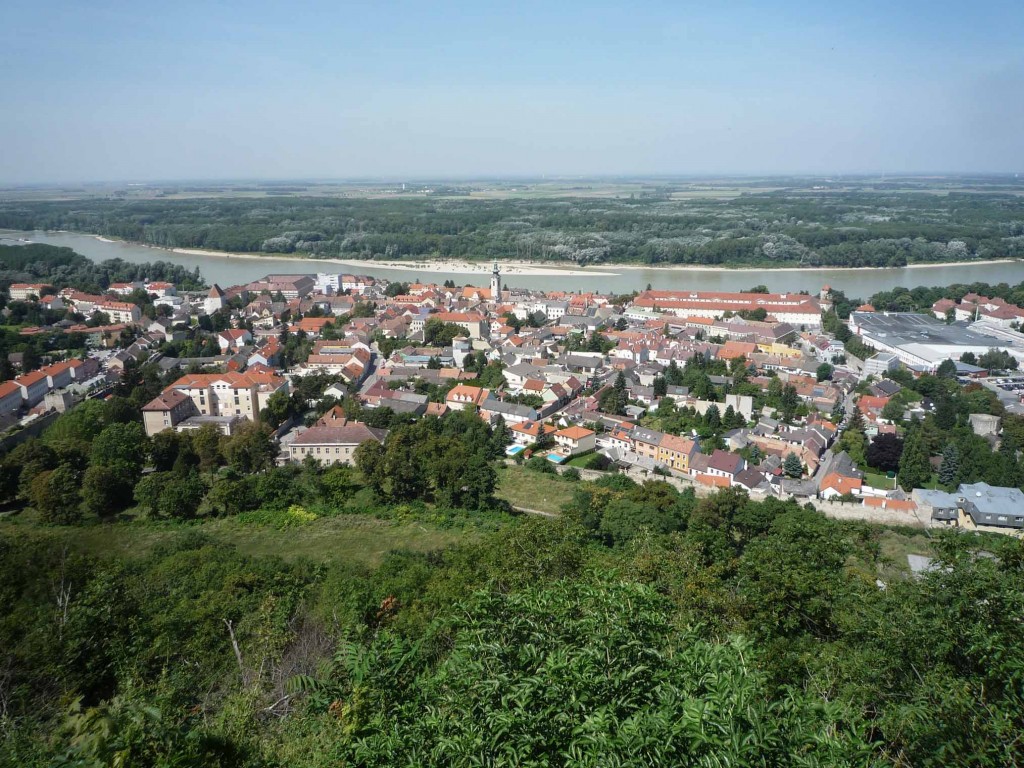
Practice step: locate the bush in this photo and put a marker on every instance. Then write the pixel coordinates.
(571, 474)
(598, 462)
(541, 464)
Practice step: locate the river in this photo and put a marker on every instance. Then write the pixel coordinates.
(854, 282)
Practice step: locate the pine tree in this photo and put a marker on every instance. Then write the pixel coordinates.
(755, 454)
(950, 467)
(856, 420)
(713, 417)
(945, 412)
(915, 469)
(792, 466)
(729, 418)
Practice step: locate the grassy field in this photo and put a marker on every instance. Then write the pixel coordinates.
(351, 538)
(532, 490)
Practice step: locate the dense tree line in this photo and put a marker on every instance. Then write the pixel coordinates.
(833, 228)
(63, 268)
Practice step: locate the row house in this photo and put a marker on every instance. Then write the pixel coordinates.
(57, 375)
(676, 452)
(721, 464)
(10, 398)
(34, 386)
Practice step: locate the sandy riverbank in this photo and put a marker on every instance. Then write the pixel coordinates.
(460, 267)
(544, 269)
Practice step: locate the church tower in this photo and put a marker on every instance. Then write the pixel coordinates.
(495, 283)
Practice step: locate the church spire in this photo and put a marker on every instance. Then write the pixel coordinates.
(495, 283)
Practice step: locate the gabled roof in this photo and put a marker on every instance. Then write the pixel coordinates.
(723, 461)
(166, 401)
(347, 433)
(574, 433)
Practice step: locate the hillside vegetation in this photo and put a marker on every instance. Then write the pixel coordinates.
(711, 632)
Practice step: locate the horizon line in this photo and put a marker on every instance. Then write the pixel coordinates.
(533, 177)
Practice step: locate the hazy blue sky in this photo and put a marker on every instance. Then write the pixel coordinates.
(172, 90)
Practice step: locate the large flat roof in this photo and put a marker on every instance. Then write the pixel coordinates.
(905, 329)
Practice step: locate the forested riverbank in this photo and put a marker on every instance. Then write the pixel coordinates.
(773, 229)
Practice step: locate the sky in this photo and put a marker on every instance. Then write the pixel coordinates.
(145, 91)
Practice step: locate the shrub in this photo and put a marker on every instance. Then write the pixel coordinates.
(540, 464)
(281, 519)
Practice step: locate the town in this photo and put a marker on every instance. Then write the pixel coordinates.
(784, 395)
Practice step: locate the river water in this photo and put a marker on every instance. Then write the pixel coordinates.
(854, 282)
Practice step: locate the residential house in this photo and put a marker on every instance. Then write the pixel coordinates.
(646, 442)
(333, 440)
(573, 441)
(676, 452)
(724, 464)
(474, 322)
(530, 432)
(160, 289)
(167, 410)
(233, 339)
(981, 504)
(465, 396)
(834, 484)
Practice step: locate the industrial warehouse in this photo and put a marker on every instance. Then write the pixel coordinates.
(922, 342)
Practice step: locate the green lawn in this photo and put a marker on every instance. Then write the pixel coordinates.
(533, 490)
(352, 538)
(580, 462)
(878, 480)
